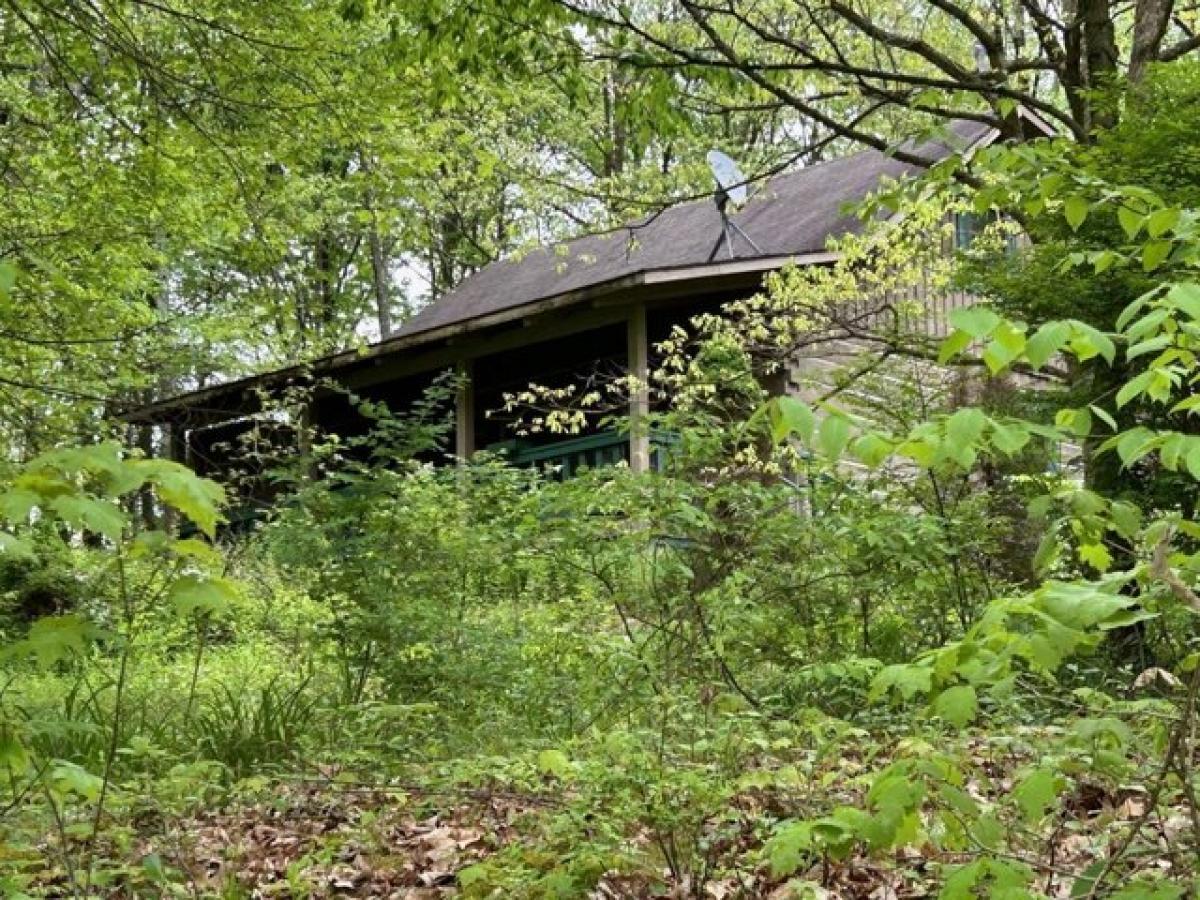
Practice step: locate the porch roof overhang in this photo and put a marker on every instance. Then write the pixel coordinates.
(240, 396)
(672, 252)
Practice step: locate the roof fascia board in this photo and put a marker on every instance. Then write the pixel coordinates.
(569, 298)
(1037, 121)
(739, 267)
(502, 317)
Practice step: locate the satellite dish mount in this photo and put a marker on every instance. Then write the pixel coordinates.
(731, 188)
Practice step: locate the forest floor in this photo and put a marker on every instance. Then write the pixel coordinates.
(328, 836)
(339, 840)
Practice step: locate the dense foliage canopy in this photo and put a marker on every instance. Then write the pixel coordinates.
(930, 631)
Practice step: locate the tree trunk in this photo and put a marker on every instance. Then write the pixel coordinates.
(1150, 20)
(614, 151)
(1100, 45)
(379, 272)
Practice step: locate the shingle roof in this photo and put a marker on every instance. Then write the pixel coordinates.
(790, 215)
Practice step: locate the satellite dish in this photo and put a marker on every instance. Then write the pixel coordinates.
(731, 188)
(729, 177)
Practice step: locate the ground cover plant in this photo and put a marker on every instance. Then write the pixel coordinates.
(929, 632)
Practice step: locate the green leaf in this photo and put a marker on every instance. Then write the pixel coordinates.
(1048, 552)
(1103, 416)
(1189, 405)
(1155, 253)
(1105, 260)
(1148, 325)
(975, 321)
(1126, 517)
(1161, 221)
(152, 865)
(1185, 297)
(191, 548)
(52, 639)
(928, 97)
(1134, 308)
(958, 799)
(1010, 880)
(957, 705)
(1045, 342)
(834, 434)
(97, 459)
(1084, 884)
(1151, 345)
(1145, 889)
(1132, 445)
(1149, 890)
(1131, 222)
(197, 498)
(791, 416)
(789, 848)
(955, 344)
(554, 762)
(907, 680)
(961, 882)
(893, 798)
(1172, 449)
(14, 758)
(1125, 618)
(17, 504)
(872, 449)
(1081, 605)
(989, 831)
(13, 547)
(1096, 556)
(1008, 439)
(1077, 421)
(193, 594)
(478, 873)
(965, 427)
(1193, 462)
(68, 778)
(1075, 209)
(91, 514)
(1007, 345)
(1087, 341)
(1043, 652)
(921, 451)
(1134, 388)
(1036, 793)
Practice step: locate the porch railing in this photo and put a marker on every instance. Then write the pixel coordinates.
(594, 451)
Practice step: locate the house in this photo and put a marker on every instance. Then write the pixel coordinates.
(555, 315)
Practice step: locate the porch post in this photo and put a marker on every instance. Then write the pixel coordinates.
(305, 421)
(177, 443)
(464, 412)
(177, 451)
(639, 397)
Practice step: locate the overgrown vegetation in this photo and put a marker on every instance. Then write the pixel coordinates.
(930, 632)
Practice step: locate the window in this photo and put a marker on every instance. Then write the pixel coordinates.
(969, 225)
